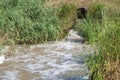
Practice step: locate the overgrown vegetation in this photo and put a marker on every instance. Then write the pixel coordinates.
(30, 21)
(67, 17)
(102, 29)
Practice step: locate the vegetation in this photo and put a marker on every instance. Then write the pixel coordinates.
(67, 17)
(30, 21)
(102, 29)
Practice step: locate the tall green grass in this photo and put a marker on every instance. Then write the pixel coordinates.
(67, 16)
(28, 21)
(102, 29)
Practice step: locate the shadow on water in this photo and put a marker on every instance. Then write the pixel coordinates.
(72, 78)
(78, 41)
(74, 75)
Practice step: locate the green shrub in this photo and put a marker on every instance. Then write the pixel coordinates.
(67, 16)
(28, 21)
(66, 10)
(102, 30)
(96, 10)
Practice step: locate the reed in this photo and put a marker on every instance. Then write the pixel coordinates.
(28, 21)
(31, 21)
(102, 29)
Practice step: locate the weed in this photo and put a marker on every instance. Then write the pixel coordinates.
(28, 21)
(102, 30)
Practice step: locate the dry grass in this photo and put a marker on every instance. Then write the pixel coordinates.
(58, 2)
(3, 39)
(79, 3)
(113, 71)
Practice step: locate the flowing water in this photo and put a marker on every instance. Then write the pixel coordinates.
(59, 60)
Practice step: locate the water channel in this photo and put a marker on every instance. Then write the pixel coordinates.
(58, 60)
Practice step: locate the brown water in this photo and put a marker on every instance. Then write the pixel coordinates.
(57, 60)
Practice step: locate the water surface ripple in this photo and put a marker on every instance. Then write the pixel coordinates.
(50, 61)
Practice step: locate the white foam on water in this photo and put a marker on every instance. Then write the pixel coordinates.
(54, 59)
(2, 59)
(10, 75)
(34, 67)
(65, 45)
(86, 77)
(73, 34)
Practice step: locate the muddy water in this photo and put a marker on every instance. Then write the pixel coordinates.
(57, 60)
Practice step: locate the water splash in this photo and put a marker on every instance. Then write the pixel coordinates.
(49, 61)
(2, 58)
